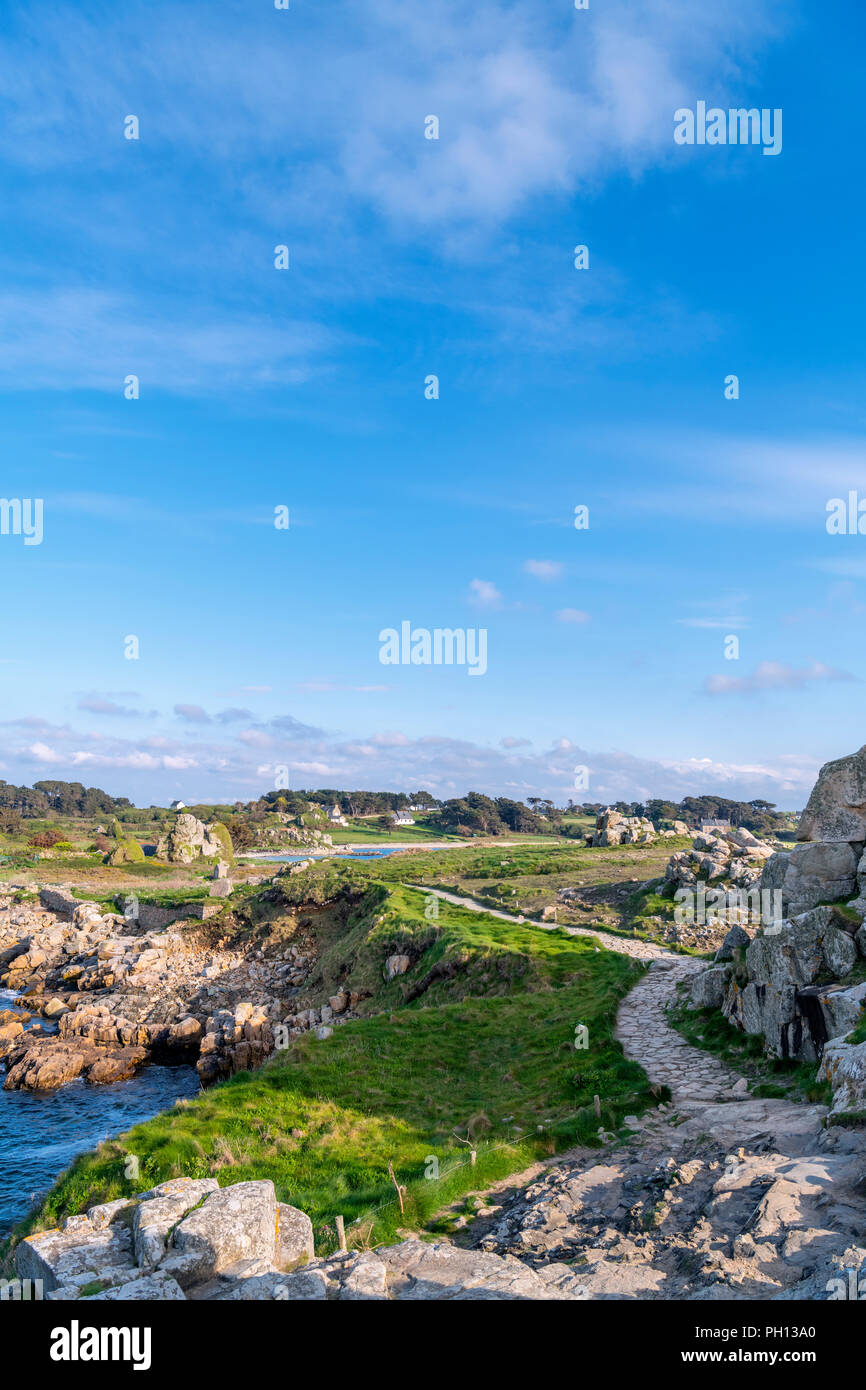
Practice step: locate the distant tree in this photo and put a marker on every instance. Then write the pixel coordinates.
(243, 836)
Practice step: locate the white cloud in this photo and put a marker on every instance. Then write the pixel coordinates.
(572, 615)
(532, 100)
(42, 753)
(543, 569)
(484, 594)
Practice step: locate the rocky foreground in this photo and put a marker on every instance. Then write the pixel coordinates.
(189, 1239)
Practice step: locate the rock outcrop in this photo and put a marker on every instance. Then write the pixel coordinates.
(791, 986)
(190, 839)
(613, 828)
(836, 809)
(801, 982)
(237, 1040)
(190, 1239)
(733, 859)
(102, 997)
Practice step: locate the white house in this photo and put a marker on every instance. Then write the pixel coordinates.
(177, 806)
(336, 817)
(402, 818)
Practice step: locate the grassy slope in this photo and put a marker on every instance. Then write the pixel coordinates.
(485, 1054)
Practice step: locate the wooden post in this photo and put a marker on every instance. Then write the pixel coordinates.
(597, 1103)
(393, 1176)
(341, 1232)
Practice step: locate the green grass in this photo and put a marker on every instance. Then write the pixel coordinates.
(484, 1055)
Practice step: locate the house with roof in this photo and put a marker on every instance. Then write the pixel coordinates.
(177, 806)
(402, 818)
(336, 817)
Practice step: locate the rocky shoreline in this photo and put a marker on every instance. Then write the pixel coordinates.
(121, 995)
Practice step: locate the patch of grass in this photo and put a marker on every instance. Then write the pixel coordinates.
(859, 1033)
(94, 1287)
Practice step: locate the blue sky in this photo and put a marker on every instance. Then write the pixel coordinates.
(259, 648)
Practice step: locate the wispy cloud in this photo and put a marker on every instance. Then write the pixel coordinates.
(66, 339)
(97, 704)
(773, 675)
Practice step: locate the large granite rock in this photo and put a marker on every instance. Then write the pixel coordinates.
(836, 809)
(613, 828)
(794, 992)
(709, 987)
(844, 1066)
(736, 939)
(294, 1237)
(812, 873)
(190, 839)
(235, 1223)
(159, 1210)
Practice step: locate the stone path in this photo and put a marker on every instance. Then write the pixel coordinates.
(668, 1060)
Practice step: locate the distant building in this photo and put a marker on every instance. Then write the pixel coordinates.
(336, 817)
(402, 818)
(177, 806)
(707, 825)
